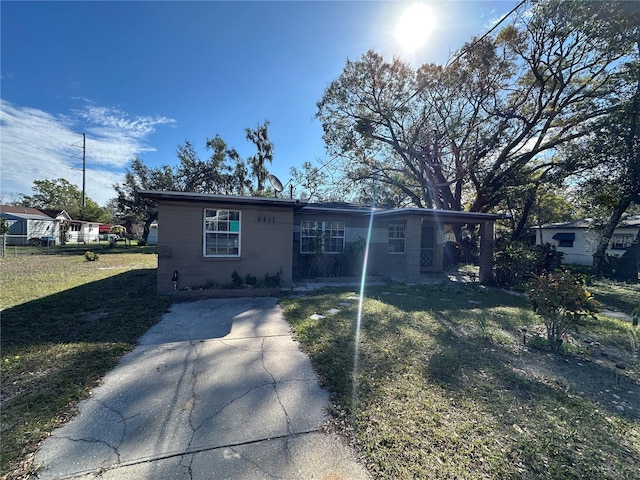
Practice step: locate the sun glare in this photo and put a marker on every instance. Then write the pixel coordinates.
(414, 27)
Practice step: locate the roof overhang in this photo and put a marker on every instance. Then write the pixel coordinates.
(453, 216)
(189, 197)
(348, 211)
(567, 236)
(28, 216)
(441, 215)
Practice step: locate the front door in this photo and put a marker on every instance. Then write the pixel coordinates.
(426, 248)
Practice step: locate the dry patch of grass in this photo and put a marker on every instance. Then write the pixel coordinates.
(445, 388)
(65, 323)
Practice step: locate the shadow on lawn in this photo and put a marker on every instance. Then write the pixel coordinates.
(548, 407)
(444, 296)
(117, 309)
(55, 348)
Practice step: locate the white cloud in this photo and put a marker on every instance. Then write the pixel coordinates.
(36, 145)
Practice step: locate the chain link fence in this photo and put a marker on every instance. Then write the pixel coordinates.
(20, 245)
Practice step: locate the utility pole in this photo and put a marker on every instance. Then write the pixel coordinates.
(84, 170)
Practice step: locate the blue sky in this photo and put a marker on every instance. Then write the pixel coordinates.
(140, 78)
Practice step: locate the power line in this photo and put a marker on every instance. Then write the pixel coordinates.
(42, 133)
(12, 150)
(462, 52)
(31, 142)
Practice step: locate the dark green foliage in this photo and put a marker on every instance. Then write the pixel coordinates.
(250, 280)
(469, 246)
(608, 266)
(352, 259)
(562, 301)
(516, 263)
(236, 280)
(260, 138)
(452, 255)
(60, 194)
(272, 281)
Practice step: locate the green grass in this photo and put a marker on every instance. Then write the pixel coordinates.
(622, 297)
(65, 323)
(445, 388)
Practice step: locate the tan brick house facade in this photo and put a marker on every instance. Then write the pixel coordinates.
(206, 238)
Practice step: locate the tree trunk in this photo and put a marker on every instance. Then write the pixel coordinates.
(599, 254)
(526, 210)
(147, 226)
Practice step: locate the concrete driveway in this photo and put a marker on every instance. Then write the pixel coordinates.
(217, 389)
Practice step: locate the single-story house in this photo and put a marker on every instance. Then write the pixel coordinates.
(578, 240)
(28, 225)
(83, 232)
(205, 238)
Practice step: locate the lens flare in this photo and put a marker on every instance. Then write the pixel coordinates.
(356, 354)
(414, 27)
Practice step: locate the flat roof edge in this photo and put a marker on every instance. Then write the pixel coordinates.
(159, 195)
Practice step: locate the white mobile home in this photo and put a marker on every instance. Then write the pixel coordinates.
(579, 239)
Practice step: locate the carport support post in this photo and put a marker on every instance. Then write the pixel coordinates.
(487, 234)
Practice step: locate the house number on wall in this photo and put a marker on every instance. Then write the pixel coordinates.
(265, 219)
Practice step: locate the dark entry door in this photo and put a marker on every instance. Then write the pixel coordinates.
(426, 248)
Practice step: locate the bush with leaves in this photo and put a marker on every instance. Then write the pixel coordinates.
(236, 280)
(90, 256)
(516, 263)
(562, 301)
(272, 281)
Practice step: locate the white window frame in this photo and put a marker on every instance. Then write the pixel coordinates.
(331, 236)
(221, 222)
(396, 235)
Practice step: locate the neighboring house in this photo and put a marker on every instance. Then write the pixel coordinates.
(578, 240)
(205, 238)
(152, 239)
(64, 220)
(83, 232)
(29, 225)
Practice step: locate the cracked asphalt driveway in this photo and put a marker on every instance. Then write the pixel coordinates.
(218, 389)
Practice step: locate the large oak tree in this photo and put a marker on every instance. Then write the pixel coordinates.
(470, 135)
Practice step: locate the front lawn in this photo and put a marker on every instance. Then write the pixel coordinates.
(445, 387)
(65, 323)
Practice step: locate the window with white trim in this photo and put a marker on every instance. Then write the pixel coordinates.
(396, 238)
(221, 233)
(321, 237)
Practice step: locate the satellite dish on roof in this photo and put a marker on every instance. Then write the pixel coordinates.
(275, 183)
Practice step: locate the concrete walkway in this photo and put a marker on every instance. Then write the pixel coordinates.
(217, 389)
